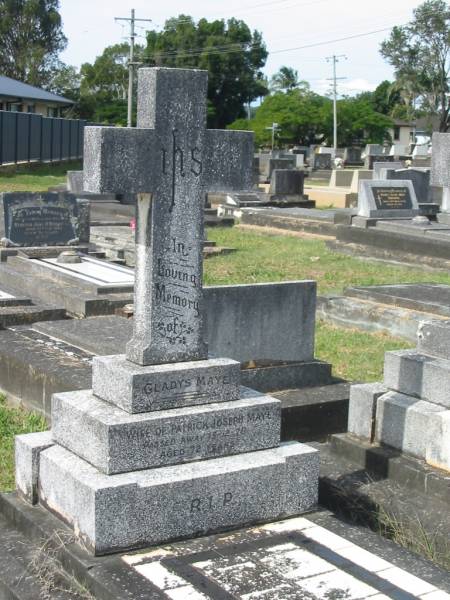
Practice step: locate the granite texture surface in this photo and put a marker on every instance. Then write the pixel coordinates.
(438, 450)
(419, 375)
(154, 506)
(28, 447)
(362, 408)
(159, 387)
(170, 160)
(433, 337)
(405, 422)
(440, 160)
(116, 442)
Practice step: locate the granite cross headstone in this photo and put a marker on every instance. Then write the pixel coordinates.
(440, 171)
(170, 160)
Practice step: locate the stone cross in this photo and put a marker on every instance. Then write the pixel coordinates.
(170, 160)
(440, 167)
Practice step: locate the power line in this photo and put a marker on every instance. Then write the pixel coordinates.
(231, 48)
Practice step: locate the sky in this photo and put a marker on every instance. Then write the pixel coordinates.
(299, 34)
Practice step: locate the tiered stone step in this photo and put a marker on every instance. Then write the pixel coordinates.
(162, 452)
(410, 411)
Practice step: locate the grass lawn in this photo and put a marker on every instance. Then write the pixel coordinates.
(37, 178)
(13, 421)
(262, 257)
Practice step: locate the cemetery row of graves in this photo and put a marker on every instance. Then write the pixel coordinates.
(204, 351)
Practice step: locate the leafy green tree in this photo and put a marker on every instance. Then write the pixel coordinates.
(104, 85)
(358, 123)
(31, 38)
(385, 99)
(305, 118)
(298, 113)
(229, 51)
(420, 55)
(285, 79)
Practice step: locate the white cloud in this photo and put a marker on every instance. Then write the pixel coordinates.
(357, 85)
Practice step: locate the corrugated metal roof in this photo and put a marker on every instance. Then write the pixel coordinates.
(17, 89)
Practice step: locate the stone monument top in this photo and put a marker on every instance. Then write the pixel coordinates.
(170, 160)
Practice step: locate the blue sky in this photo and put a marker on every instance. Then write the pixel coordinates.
(285, 24)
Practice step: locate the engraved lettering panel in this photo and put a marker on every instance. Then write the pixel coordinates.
(43, 220)
(392, 198)
(207, 435)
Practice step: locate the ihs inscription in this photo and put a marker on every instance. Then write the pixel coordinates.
(178, 163)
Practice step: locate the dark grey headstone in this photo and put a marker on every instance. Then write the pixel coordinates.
(322, 161)
(280, 163)
(420, 180)
(43, 219)
(352, 156)
(370, 160)
(287, 181)
(170, 160)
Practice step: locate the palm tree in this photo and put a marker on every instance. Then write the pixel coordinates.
(285, 79)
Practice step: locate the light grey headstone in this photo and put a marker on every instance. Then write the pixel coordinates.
(379, 167)
(440, 160)
(387, 199)
(171, 160)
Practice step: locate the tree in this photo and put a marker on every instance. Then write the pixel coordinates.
(385, 99)
(297, 112)
(285, 79)
(306, 118)
(104, 85)
(420, 55)
(358, 123)
(229, 51)
(31, 38)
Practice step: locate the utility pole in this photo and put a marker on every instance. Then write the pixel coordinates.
(131, 63)
(335, 60)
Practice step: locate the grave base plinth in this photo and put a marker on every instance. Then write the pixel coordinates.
(132, 510)
(136, 388)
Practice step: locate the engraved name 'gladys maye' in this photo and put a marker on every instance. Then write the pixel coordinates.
(186, 383)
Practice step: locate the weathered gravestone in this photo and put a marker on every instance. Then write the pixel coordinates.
(287, 182)
(109, 472)
(352, 156)
(322, 161)
(48, 219)
(440, 167)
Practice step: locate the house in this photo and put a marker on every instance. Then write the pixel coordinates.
(16, 96)
(403, 132)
